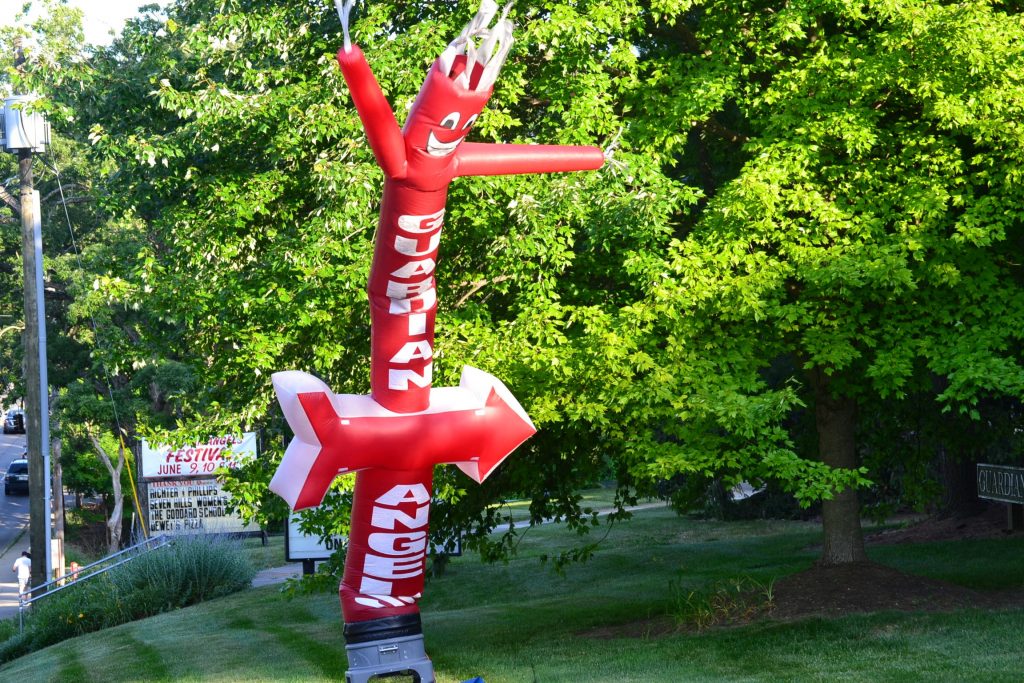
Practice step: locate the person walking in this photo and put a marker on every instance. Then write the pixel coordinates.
(23, 568)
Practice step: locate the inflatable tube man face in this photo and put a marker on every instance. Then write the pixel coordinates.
(456, 90)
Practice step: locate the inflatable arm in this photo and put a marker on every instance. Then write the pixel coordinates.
(478, 158)
(382, 131)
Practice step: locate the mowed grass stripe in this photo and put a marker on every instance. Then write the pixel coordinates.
(147, 660)
(323, 657)
(71, 668)
(890, 647)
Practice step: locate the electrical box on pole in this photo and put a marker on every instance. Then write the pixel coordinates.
(23, 129)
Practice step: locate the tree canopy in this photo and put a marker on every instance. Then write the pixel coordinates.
(813, 209)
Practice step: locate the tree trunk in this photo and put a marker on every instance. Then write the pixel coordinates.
(836, 421)
(961, 445)
(114, 521)
(960, 485)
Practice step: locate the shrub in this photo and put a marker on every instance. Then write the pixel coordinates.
(190, 570)
(8, 628)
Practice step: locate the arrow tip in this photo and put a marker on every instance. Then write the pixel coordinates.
(301, 478)
(298, 478)
(506, 429)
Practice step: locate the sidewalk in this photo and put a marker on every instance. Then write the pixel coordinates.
(8, 581)
(269, 577)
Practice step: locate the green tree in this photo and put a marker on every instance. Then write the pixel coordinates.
(229, 135)
(861, 221)
(63, 179)
(86, 334)
(812, 205)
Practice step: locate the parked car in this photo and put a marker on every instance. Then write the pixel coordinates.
(16, 478)
(14, 423)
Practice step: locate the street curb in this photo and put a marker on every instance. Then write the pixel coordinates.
(16, 540)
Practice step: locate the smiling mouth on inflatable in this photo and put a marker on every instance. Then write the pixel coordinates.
(440, 149)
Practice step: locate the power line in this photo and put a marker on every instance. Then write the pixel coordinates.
(98, 338)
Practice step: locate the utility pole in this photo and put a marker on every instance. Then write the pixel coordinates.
(26, 133)
(37, 416)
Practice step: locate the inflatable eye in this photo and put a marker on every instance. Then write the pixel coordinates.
(450, 121)
(469, 122)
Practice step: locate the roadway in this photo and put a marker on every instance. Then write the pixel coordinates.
(13, 526)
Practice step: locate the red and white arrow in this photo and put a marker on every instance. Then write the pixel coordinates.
(474, 426)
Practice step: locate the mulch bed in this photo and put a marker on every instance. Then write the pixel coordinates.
(990, 523)
(864, 586)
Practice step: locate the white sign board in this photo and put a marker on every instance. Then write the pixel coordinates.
(192, 507)
(200, 460)
(298, 546)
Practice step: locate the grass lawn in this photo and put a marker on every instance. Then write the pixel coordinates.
(519, 623)
(265, 556)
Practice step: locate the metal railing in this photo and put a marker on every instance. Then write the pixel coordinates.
(89, 571)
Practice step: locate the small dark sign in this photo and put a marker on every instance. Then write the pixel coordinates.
(1002, 483)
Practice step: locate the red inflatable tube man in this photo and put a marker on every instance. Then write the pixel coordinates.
(395, 436)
